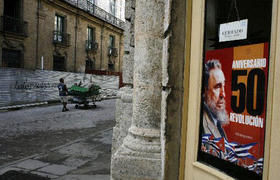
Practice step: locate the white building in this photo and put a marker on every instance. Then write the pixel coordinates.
(114, 7)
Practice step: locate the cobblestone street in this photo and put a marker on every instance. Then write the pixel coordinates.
(45, 141)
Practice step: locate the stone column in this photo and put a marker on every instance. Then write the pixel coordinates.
(139, 157)
(124, 102)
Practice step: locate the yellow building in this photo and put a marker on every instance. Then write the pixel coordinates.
(59, 35)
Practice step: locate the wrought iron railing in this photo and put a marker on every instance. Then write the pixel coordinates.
(61, 38)
(96, 11)
(13, 25)
(91, 46)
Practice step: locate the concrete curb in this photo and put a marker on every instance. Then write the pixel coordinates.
(53, 101)
(23, 105)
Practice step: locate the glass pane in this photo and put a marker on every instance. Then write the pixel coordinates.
(90, 34)
(112, 41)
(233, 104)
(55, 23)
(59, 28)
(59, 23)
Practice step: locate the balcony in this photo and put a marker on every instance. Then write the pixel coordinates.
(112, 52)
(91, 46)
(97, 12)
(13, 26)
(61, 38)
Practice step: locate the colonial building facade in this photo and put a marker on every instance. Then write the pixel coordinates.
(68, 35)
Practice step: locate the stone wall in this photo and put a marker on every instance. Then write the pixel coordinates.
(29, 11)
(173, 88)
(21, 86)
(128, 57)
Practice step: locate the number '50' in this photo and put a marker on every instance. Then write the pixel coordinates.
(248, 100)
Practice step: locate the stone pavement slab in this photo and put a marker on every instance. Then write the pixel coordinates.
(85, 177)
(44, 174)
(31, 164)
(56, 169)
(74, 162)
(78, 148)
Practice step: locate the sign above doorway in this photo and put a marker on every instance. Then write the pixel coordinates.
(232, 31)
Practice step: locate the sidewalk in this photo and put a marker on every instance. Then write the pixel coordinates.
(5, 108)
(82, 159)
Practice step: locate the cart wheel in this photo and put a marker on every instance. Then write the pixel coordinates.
(76, 106)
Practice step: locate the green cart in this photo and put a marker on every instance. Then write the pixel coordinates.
(84, 97)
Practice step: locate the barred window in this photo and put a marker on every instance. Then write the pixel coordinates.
(59, 28)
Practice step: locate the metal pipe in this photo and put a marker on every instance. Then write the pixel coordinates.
(37, 35)
(120, 43)
(75, 51)
(101, 46)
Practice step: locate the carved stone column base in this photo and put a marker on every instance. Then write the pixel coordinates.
(123, 117)
(128, 164)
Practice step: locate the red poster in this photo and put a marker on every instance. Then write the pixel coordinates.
(234, 104)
